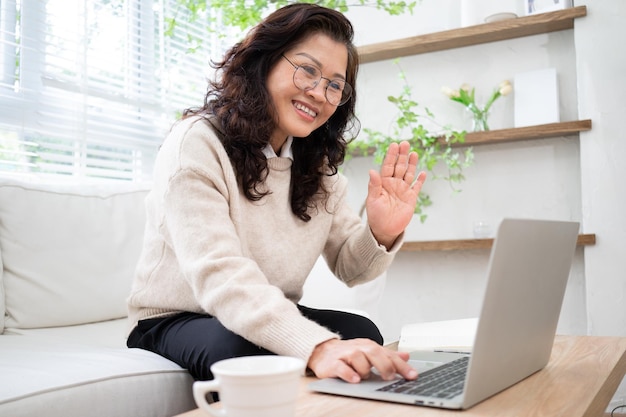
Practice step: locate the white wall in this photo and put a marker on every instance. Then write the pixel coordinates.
(601, 66)
(559, 178)
(568, 178)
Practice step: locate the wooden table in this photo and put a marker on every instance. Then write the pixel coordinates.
(580, 380)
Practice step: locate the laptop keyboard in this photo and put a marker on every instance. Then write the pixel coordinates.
(445, 381)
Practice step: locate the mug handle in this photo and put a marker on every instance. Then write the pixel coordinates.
(200, 389)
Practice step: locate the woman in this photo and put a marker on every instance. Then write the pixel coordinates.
(247, 196)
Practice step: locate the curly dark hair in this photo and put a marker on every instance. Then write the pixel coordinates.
(240, 101)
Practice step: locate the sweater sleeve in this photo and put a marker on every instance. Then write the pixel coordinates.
(352, 252)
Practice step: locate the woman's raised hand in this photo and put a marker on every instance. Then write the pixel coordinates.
(392, 193)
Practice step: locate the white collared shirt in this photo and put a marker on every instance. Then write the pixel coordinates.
(285, 151)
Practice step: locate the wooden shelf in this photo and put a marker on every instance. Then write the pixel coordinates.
(525, 133)
(473, 35)
(470, 244)
(515, 134)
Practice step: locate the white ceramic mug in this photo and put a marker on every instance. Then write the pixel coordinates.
(252, 386)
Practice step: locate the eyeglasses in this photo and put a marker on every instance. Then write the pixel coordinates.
(307, 77)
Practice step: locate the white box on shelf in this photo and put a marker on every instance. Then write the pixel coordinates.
(536, 97)
(543, 6)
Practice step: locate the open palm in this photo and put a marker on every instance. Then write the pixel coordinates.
(392, 193)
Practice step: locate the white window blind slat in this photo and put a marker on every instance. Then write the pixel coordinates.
(89, 88)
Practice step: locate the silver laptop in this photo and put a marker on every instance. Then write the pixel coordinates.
(527, 276)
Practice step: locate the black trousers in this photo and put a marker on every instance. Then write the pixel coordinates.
(196, 341)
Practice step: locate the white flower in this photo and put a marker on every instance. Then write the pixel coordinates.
(449, 92)
(505, 87)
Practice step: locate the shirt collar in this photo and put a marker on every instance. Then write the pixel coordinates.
(285, 151)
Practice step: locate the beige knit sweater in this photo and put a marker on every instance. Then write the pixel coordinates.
(209, 249)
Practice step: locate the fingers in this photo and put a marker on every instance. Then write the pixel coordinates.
(417, 185)
(360, 363)
(400, 162)
(391, 363)
(343, 371)
(409, 175)
(403, 368)
(375, 180)
(352, 361)
(387, 169)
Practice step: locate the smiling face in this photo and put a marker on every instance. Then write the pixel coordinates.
(300, 112)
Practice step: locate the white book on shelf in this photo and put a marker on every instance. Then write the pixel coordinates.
(446, 336)
(536, 98)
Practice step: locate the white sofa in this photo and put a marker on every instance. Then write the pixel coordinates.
(67, 254)
(67, 257)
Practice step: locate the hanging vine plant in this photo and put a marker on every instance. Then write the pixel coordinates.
(435, 148)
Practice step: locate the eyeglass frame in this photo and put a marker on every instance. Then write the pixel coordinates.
(346, 84)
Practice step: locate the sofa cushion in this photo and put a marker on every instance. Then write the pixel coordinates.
(55, 378)
(110, 333)
(68, 251)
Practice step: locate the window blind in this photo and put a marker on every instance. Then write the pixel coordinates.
(89, 88)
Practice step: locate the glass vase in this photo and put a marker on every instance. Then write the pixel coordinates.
(479, 120)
